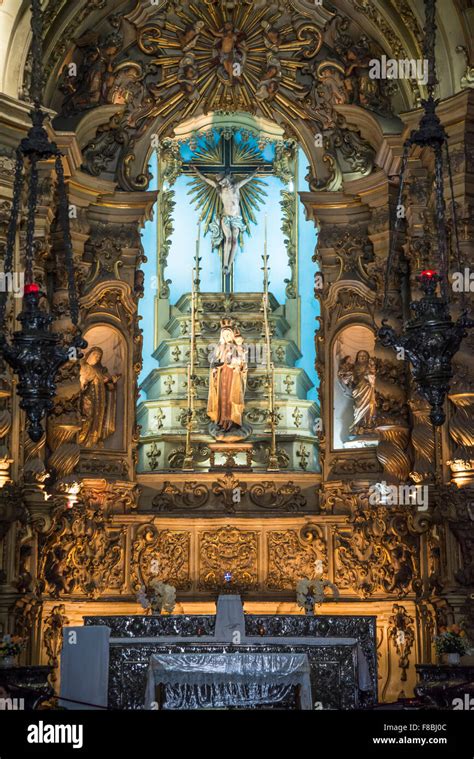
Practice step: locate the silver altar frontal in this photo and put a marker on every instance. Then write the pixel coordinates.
(228, 680)
(340, 652)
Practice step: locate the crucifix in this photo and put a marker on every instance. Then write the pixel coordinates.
(221, 177)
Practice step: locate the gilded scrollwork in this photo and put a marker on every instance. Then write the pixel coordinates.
(378, 552)
(291, 557)
(193, 495)
(228, 549)
(105, 248)
(82, 553)
(287, 497)
(161, 553)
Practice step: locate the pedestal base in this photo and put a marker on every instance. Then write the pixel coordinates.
(230, 451)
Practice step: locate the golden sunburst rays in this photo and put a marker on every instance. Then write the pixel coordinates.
(210, 152)
(244, 156)
(251, 197)
(203, 89)
(206, 200)
(245, 152)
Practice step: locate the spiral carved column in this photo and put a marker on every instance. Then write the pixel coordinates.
(461, 430)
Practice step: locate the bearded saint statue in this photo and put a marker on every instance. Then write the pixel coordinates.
(98, 400)
(227, 383)
(358, 379)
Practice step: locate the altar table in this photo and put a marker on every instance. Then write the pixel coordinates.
(220, 680)
(341, 650)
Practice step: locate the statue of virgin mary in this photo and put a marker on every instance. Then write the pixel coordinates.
(227, 382)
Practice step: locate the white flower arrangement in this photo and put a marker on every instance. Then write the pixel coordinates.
(307, 590)
(157, 596)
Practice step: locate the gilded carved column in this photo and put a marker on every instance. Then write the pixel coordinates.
(110, 293)
(422, 440)
(459, 435)
(344, 288)
(393, 451)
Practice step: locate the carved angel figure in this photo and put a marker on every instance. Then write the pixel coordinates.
(270, 81)
(190, 36)
(358, 379)
(230, 51)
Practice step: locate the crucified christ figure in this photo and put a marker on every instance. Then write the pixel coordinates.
(231, 221)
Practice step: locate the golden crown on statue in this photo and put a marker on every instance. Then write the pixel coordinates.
(226, 323)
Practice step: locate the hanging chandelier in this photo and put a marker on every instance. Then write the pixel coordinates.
(430, 338)
(35, 352)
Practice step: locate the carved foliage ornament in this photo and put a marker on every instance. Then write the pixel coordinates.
(81, 553)
(228, 549)
(53, 637)
(401, 632)
(187, 59)
(160, 553)
(229, 493)
(292, 556)
(379, 553)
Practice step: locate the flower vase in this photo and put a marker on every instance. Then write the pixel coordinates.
(453, 658)
(7, 661)
(309, 605)
(156, 611)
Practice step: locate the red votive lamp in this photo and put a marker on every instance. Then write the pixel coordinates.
(32, 287)
(428, 273)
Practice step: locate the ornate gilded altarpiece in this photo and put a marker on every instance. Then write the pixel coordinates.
(81, 516)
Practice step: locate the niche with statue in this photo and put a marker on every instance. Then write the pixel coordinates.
(354, 399)
(102, 378)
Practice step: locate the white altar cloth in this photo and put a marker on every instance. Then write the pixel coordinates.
(263, 670)
(85, 667)
(230, 620)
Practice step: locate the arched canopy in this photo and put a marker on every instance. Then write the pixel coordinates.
(121, 80)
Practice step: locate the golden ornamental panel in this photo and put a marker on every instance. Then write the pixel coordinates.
(161, 553)
(293, 555)
(228, 549)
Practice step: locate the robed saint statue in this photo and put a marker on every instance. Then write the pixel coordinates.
(358, 379)
(98, 400)
(227, 383)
